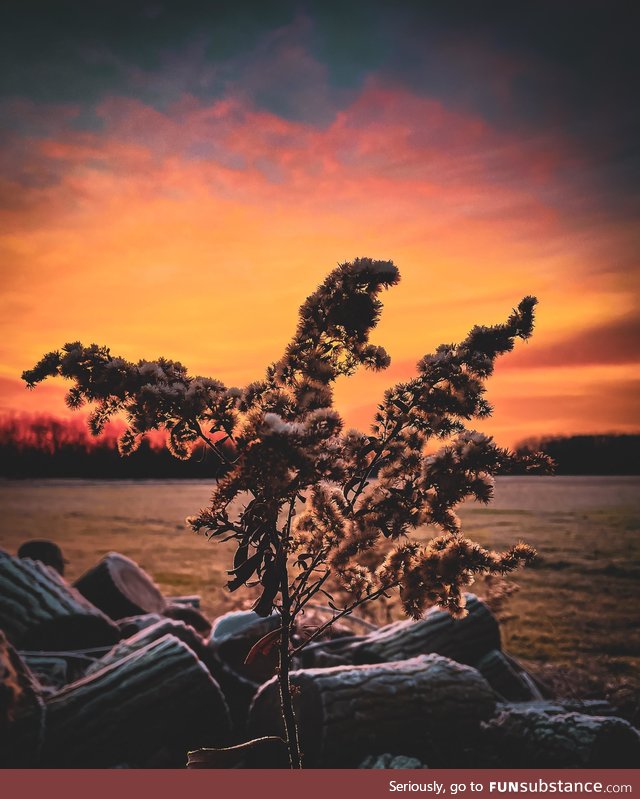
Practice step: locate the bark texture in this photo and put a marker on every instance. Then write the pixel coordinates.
(39, 610)
(147, 636)
(158, 697)
(531, 738)
(506, 678)
(21, 710)
(418, 707)
(465, 640)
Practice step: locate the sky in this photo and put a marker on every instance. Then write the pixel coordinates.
(176, 177)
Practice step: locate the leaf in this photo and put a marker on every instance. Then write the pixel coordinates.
(263, 646)
(271, 583)
(244, 571)
(242, 553)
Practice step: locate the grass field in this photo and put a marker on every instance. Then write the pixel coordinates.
(573, 617)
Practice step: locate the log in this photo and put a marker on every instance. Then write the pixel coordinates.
(191, 616)
(504, 677)
(21, 710)
(133, 624)
(39, 610)
(428, 707)
(465, 640)
(233, 623)
(389, 761)
(147, 636)
(189, 600)
(47, 552)
(120, 588)
(227, 654)
(531, 738)
(161, 696)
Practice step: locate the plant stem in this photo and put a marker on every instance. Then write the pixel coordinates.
(341, 614)
(286, 704)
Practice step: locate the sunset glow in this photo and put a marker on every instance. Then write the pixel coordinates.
(192, 224)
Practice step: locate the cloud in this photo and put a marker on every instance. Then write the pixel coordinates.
(616, 341)
(188, 202)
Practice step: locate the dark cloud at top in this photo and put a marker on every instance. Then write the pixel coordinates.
(535, 68)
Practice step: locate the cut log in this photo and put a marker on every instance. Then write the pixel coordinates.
(21, 710)
(389, 761)
(147, 636)
(120, 588)
(191, 616)
(228, 652)
(160, 696)
(39, 610)
(428, 707)
(47, 552)
(465, 640)
(505, 678)
(233, 623)
(529, 738)
(133, 624)
(190, 600)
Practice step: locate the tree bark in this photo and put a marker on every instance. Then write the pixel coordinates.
(147, 636)
(21, 710)
(39, 610)
(226, 657)
(532, 738)
(504, 677)
(464, 640)
(161, 696)
(120, 588)
(424, 707)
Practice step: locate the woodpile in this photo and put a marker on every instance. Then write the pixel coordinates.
(110, 673)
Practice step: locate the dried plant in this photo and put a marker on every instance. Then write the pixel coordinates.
(319, 498)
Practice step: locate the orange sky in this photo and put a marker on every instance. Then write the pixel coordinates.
(195, 232)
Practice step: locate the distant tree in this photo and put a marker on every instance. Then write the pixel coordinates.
(312, 509)
(41, 445)
(604, 454)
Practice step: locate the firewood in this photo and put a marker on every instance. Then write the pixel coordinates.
(47, 552)
(426, 707)
(131, 625)
(533, 738)
(147, 636)
(160, 696)
(120, 588)
(464, 640)
(228, 651)
(21, 710)
(191, 616)
(505, 678)
(39, 610)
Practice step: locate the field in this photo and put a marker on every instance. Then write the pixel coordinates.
(573, 617)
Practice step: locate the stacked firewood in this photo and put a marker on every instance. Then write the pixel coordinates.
(108, 672)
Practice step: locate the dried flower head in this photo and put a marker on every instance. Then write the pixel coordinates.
(316, 500)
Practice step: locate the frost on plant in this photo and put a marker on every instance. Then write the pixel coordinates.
(318, 497)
